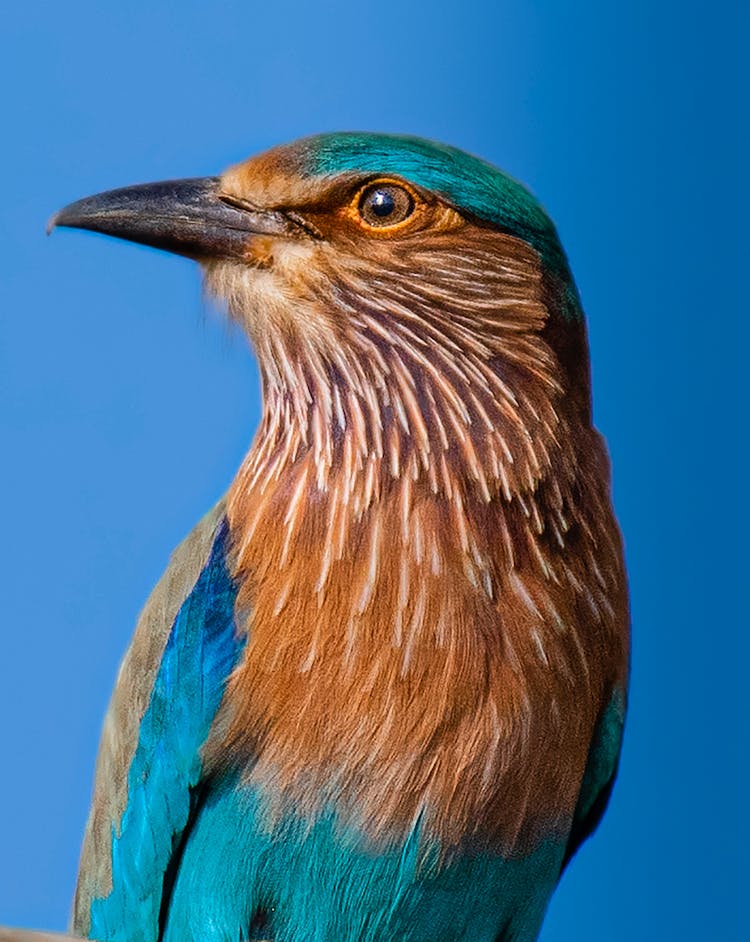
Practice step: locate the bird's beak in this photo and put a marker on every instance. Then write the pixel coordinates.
(190, 217)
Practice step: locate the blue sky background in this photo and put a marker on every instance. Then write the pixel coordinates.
(126, 407)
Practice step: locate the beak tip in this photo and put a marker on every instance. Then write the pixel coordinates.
(52, 223)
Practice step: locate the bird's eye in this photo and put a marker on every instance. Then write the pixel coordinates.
(385, 204)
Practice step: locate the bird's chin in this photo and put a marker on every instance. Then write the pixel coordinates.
(263, 302)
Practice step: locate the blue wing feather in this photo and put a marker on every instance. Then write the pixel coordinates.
(201, 651)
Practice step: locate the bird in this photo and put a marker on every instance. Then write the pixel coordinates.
(379, 692)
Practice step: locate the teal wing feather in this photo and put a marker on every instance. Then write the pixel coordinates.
(599, 776)
(167, 695)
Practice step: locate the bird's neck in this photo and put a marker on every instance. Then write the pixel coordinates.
(357, 422)
(395, 535)
(364, 466)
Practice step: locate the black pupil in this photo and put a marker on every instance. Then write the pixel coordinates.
(382, 203)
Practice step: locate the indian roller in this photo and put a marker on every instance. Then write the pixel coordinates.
(379, 692)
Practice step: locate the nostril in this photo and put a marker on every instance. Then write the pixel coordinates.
(238, 202)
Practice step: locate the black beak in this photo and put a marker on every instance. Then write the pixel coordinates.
(189, 217)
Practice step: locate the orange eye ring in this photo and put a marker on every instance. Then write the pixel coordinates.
(385, 205)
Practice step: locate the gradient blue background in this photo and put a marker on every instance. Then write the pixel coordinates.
(126, 408)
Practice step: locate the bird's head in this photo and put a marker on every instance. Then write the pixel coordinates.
(381, 279)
